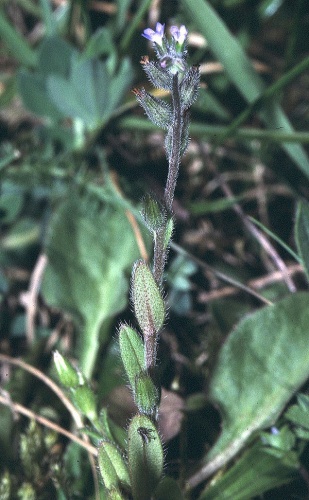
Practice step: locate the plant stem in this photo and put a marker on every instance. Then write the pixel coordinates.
(174, 155)
(160, 249)
(159, 255)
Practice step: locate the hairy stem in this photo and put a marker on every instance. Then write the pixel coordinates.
(174, 155)
(160, 249)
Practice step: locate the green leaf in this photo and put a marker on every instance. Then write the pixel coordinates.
(16, 42)
(145, 456)
(56, 56)
(147, 300)
(253, 474)
(168, 489)
(146, 395)
(34, 95)
(260, 366)
(99, 44)
(298, 416)
(87, 266)
(302, 233)
(132, 353)
(241, 72)
(112, 467)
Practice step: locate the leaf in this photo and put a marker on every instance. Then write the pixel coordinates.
(260, 366)
(145, 457)
(99, 44)
(253, 474)
(302, 233)
(89, 251)
(56, 56)
(241, 72)
(34, 95)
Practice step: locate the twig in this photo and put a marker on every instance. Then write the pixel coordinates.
(47, 423)
(219, 274)
(258, 283)
(29, 298)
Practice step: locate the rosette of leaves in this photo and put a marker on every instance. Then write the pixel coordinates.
(69, 84)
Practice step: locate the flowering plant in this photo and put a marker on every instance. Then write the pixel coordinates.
(141, 472)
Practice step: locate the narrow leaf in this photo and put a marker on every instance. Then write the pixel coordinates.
(302, 233)
(147, 299)
(132, 352)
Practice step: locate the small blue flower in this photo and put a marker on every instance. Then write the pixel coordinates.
(179, 34)
(155, 36)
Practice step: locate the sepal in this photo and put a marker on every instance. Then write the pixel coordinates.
(158, 111)
(168, 232)
(189, 86)
(85, 401)
(158, 75)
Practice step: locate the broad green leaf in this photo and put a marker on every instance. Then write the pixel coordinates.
(32, 89)
(260, 366)
(302, 233)
(56, 56)
(241, 72)
(68, 101)
(253, 474)
(89, 249)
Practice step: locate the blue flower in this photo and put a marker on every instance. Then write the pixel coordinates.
(179, 34)
(155, 36)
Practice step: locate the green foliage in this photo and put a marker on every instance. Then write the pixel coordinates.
(259, 368)
(87, 266)
(254, 473)
(132, 353)
(145, 457)
(67, 84)
(240, 70)
(302, 233)
(112, 467)
(61, 165)
(147, 300)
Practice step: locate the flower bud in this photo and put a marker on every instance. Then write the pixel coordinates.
(67, 374)
(84, 400)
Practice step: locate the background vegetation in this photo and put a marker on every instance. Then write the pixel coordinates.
(76, 156)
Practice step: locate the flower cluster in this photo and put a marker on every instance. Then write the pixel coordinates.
(172, 54)
(170, 73)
